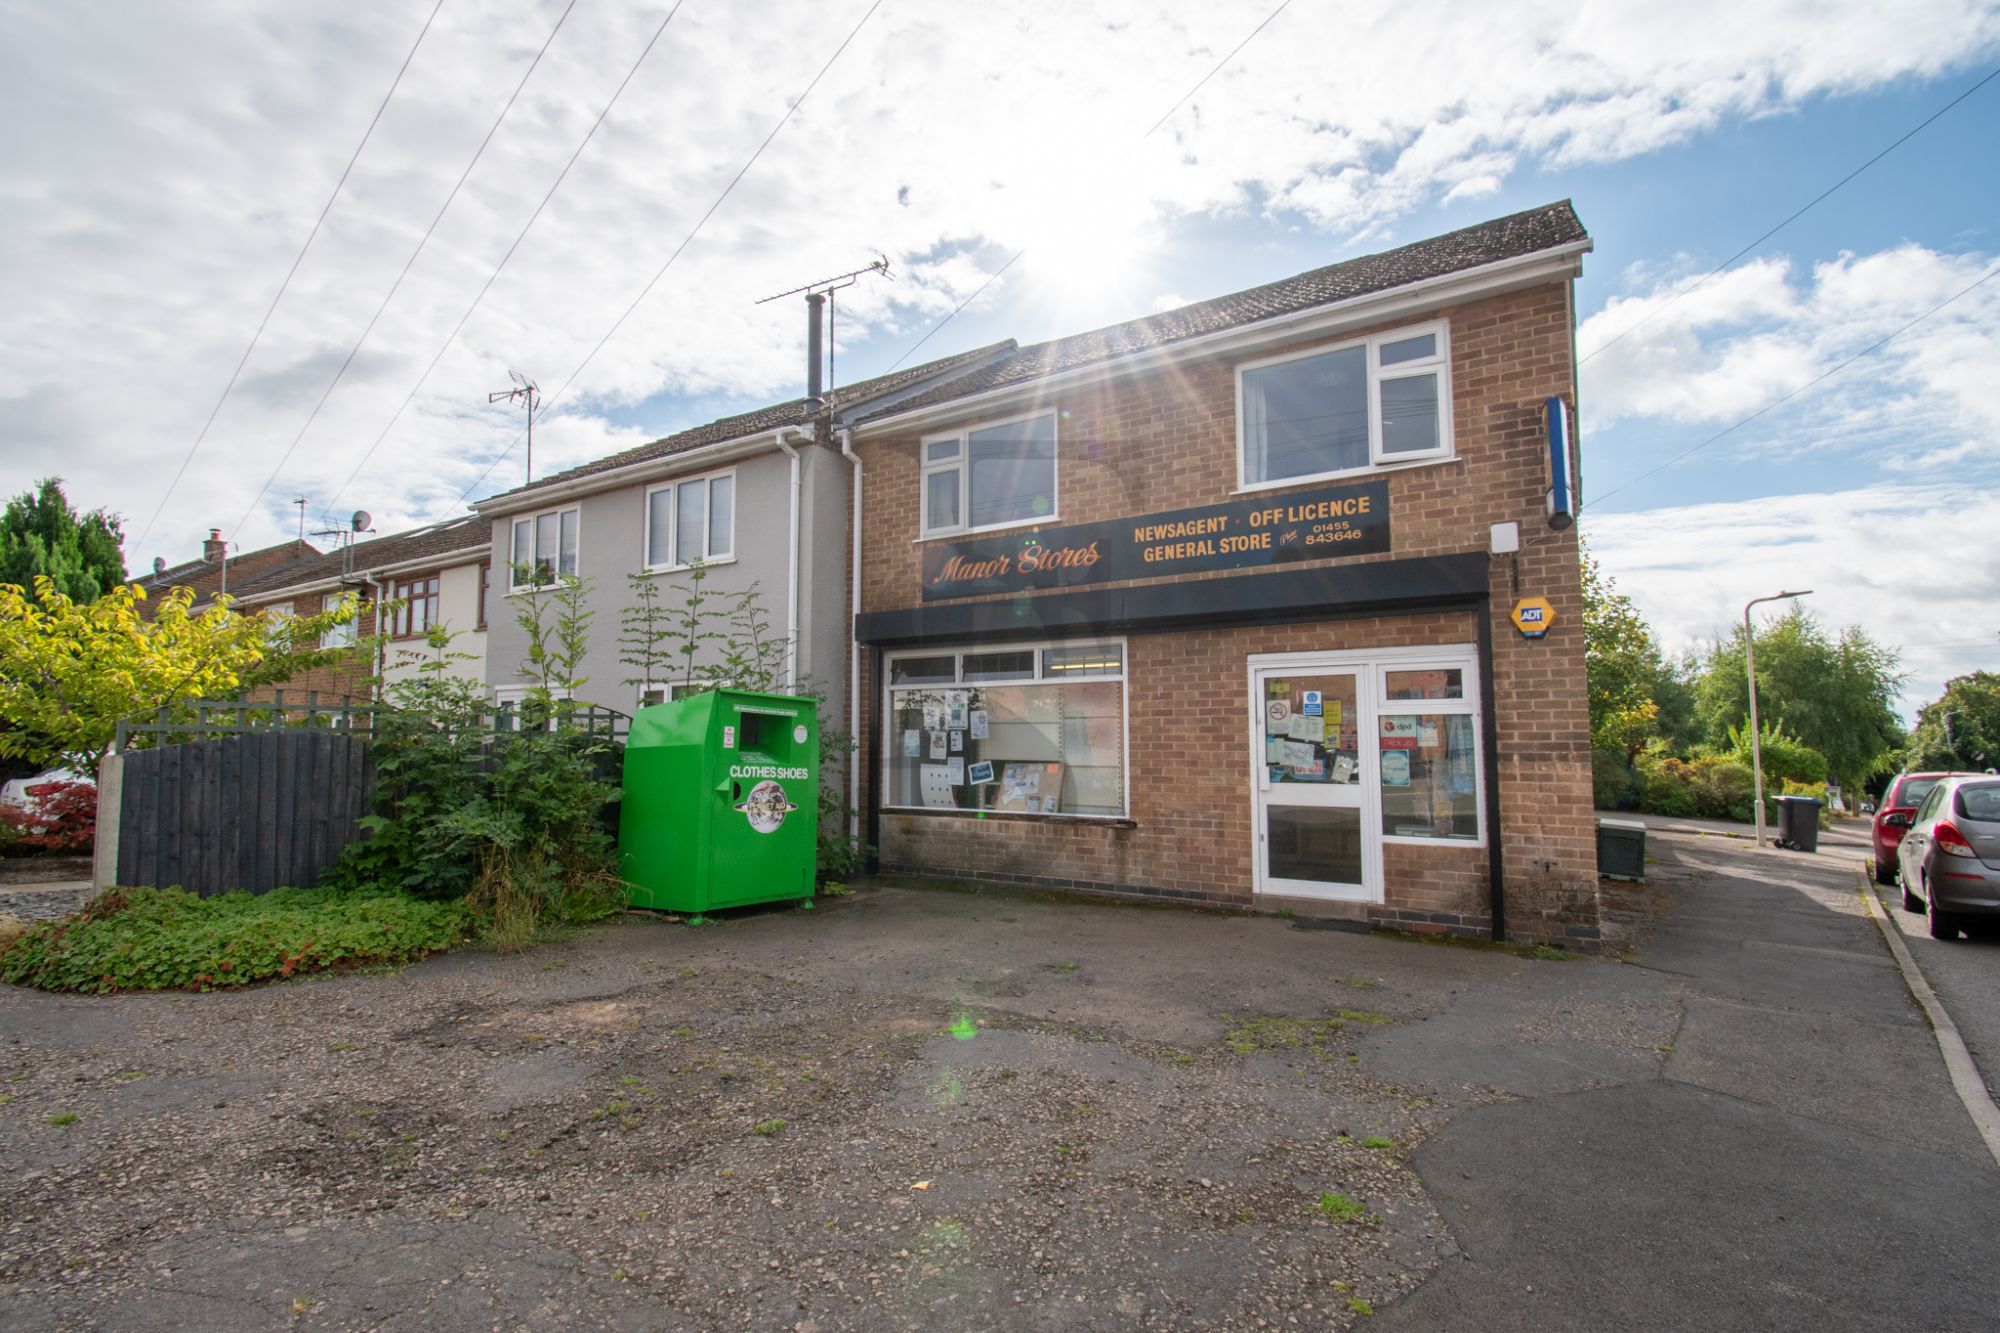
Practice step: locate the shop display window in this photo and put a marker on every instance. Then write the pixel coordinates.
(1035, 730)
(1428, 756)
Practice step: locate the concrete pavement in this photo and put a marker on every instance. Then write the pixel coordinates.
(1797, 1160)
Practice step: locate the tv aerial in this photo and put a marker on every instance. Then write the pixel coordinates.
(819, 294)
(527, 389)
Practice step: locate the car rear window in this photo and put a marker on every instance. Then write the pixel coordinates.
(1913, 791)
(1980, 803)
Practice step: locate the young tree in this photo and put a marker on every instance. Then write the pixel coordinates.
(70, 671)
(1832, 694)
(41, 535)
(1961, 728)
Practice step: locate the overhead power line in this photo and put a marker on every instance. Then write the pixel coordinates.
(397, 285)
(289, 275)
(1907, 136)
(1183, 101)
(1781, 401)
(522, 235)
(743, 171)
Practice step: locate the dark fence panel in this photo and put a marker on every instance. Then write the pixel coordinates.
(256, 810)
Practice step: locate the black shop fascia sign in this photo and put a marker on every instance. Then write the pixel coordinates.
(1242, 534)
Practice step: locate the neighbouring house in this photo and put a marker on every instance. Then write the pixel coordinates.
(759, 500)
(1272, 600)
(438, 575)
(219, 570)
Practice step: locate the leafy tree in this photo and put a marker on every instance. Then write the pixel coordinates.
(1622, 664)
(41, 535)
(1961, 728)
(69, 671)
(1830, 693)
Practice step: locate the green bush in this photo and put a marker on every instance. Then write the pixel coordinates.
(1614, 784)
(170, 939)
(1706, 787)
(1666, 785)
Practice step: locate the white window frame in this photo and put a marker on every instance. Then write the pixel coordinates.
(343, 635)
(671, 691)
(672, 563)
(962, 464)
(1438, 364)
(958, 653)
(276, 616)
(534, 527)
(515, 695)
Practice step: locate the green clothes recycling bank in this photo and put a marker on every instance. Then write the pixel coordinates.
(721, 804)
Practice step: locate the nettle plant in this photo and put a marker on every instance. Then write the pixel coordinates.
(694, 639)
(505, 808)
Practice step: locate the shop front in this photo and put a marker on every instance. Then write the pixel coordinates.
(1220, 606)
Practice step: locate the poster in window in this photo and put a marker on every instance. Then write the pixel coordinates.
(958, 742)
(979, 731)
(980, 773)
(938, 788)
(1395, 768)
(1029, 788)
(959, 703)
(933, 714)
(937, 745)
(913, 743)
(1310, 705)
(955, 771)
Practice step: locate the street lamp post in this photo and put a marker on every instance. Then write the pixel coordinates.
(1756, 736)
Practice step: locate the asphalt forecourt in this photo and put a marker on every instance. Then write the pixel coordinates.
(923, 1108)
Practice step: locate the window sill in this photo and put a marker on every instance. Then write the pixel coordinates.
(1013, 816)
(958, 534)
(1350, 474)
(650, 570)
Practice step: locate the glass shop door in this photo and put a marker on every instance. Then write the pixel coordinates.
(1314, 761)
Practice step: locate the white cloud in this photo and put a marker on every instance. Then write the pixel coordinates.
(1872, 555)
(1756, 333)
(164, 163)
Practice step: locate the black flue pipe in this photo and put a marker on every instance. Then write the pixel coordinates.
(815, 357)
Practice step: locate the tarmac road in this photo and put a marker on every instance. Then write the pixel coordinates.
(1965, 973)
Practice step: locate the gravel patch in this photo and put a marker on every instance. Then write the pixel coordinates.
(763, 1125)
(44, 904)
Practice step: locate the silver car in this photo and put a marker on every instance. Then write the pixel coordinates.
(1950, 859)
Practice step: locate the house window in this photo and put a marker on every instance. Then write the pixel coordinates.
(691, 522)
(514, 707)
(991, 476)
(418, 606)
(1330, 411)
(1428, 751)
(485, 590)
(544, 549)
(1032, 729)
(277, 622)
(659, 694)
(342, 635)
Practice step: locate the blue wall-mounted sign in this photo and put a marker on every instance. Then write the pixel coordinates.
(1562, 483)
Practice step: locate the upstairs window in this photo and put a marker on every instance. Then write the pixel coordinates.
(992, 476)
(419, 606)
(1369, 404)
(544, 548)
(691, 522)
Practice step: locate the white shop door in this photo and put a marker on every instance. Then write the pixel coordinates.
(1313, 756)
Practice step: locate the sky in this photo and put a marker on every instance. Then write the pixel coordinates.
(561, 189)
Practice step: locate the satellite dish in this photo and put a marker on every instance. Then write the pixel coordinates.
(362, 518)
(159, 565)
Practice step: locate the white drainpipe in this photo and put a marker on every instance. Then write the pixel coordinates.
(792, 561)
(854, 646)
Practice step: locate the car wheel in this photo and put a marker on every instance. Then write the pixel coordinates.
(1911, 903)
(1883, 876)
(1942, 927)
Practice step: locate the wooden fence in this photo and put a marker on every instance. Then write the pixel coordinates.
(254, 811)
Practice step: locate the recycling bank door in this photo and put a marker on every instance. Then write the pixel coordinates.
(721, 804)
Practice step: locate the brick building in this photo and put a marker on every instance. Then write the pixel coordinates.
(1218, 605)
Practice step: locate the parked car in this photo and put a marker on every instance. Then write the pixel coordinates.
(1904, 794)
(1950, 856)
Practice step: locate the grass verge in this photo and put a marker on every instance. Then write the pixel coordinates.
(170, 939)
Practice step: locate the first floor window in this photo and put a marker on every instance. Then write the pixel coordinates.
(990, 476)
(341, 635)
(1428, 752)
(1035, 730)
(544, 549)
(277, 621)
(419, 606)
(691, 522)
(1345, 409)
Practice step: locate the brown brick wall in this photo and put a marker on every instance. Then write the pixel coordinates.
(1167, 440)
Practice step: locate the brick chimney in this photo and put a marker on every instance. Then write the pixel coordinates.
(212, 550)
